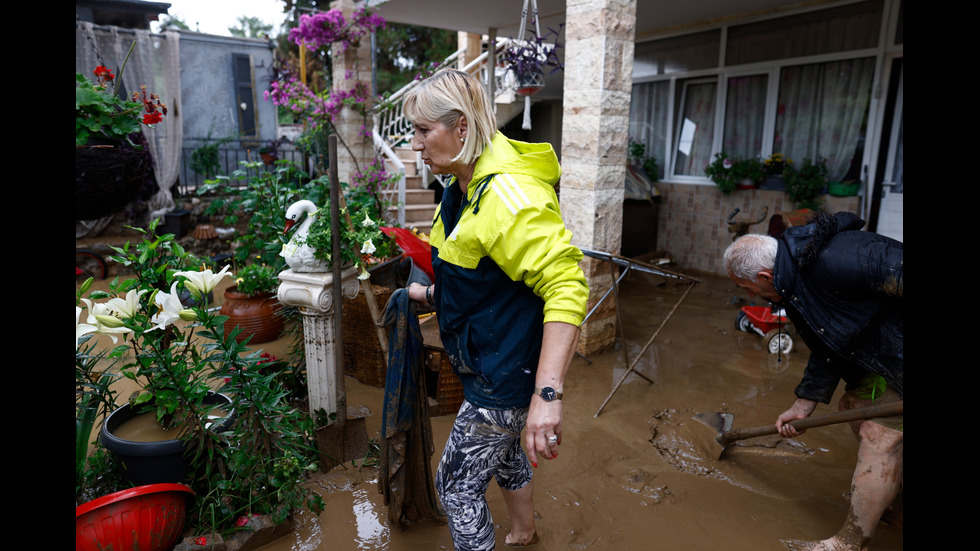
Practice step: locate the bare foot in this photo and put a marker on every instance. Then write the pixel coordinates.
(514, 541)
(831, 544)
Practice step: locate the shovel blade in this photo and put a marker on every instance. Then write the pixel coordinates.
(718, 423)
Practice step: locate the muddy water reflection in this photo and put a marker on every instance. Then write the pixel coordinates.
(613, 486)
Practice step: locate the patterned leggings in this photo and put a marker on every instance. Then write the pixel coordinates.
(483, 444)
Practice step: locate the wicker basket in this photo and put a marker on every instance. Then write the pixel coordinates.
(363, 359)
(107, 178)
(447, 389)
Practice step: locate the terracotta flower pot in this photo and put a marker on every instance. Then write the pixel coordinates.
(258, 316)
(145, 518)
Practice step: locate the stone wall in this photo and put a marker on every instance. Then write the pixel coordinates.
(693, 224)
(595, 126)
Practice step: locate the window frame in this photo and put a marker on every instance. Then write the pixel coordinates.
(773, 70)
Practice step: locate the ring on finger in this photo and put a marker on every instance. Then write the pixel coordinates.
(552, 439)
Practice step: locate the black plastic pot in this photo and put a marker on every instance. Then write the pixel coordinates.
(152, 462)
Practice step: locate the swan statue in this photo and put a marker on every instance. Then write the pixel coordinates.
(299, 256)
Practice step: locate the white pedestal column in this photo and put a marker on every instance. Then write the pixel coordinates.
(312, 293)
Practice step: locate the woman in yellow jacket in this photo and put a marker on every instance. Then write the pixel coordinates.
(509, 296)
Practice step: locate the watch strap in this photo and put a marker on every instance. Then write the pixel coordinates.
(540, 392)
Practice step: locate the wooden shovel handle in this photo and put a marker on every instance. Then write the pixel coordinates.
(878, 410)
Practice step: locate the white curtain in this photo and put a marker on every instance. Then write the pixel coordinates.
(648, 119)
(822, 110)
(745, 111)
(155, 62)
(697, 123)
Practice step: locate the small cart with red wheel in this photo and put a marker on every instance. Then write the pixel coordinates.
(771, 325)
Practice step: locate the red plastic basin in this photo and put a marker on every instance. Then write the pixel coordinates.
(144, 518)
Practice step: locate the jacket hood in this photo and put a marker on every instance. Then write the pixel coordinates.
(805, 242)
(536, 160)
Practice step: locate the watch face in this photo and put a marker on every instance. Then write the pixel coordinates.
(548, 393)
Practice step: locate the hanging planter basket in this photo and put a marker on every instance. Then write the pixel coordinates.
(107, 178)
(529, 84)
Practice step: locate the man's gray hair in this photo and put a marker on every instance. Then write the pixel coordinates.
(749, 255)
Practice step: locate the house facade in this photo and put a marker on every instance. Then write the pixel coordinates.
(689, 80)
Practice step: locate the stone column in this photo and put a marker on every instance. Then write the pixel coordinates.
(473, 44)
(599, 38)
(352, 68)
(312, 293)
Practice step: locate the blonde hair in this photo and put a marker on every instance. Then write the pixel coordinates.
(446, 97)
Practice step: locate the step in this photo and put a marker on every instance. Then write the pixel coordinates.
(414, 181)
(415, 214)
(411, 169)
(420, 197)
(407, 154)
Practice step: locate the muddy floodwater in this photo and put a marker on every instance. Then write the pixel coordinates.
(635, 476)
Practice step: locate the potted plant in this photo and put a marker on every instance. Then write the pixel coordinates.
(110, 161)
(144, 518)
(205, 159)
(806, 183)
(733, 173)
(270, 151)
(251, 305)
(774, 166)
(179, 357)
(525, 60)
(362, 243)
(638, 155)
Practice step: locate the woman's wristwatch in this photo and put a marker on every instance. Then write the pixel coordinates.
(428, 295)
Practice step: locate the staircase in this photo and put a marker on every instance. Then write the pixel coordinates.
(420, 201)
(412, 203)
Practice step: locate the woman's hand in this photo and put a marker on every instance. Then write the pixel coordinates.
(543, 422)
(420, 293)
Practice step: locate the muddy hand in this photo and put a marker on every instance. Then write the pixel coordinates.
(544, 428)
(801, 409)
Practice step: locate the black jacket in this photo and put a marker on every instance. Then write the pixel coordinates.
(842, 288)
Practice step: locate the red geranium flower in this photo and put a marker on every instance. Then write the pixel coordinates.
(104, 73)
(152, 118)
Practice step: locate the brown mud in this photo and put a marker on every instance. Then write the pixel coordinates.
(635, 477)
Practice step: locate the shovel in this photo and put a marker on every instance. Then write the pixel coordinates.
(722, 434)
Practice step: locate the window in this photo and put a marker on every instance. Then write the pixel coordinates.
(695, 128)
(244, 94)
(822, 112)
(649, 123)
(745, 113)
(798, 85)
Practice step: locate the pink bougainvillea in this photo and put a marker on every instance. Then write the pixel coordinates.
(323, 29)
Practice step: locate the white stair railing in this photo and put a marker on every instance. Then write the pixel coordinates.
(394, 192)
(392, 129)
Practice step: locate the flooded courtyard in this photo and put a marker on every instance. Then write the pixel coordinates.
(635, 476)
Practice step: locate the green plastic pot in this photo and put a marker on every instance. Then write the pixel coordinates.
(843, 189)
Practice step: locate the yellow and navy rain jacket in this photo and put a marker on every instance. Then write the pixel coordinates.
(504, 265)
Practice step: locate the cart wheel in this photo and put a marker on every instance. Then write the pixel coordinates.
(777, 341)
(742, 322)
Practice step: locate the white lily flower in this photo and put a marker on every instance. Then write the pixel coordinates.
(170, 308)
(368, 247)
(126, 308)
(82, 329)
(101, 317)
(202, 283)
(367, 223)
(364, 274)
